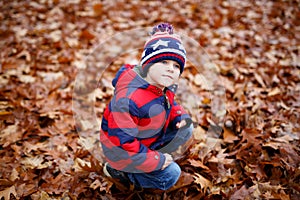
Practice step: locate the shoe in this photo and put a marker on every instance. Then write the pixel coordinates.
(105, 170)
(116, 174)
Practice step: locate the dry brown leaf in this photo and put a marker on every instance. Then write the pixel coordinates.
(274, 92)
(198, 163)
(86, 34)
(98, 9)
(41, 195)
(14, 175)
(36, 162)
(243, 193)
(8, 192)
(10, 135)
(203, 182)
(252, 54)
(259, 80)
(229, 136)
(199, 133)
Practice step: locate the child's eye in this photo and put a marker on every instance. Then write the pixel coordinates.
(164, 62)
(177, 66)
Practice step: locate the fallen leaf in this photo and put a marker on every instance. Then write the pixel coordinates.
(260, 80)
(27, 78)
(8, 192)
(36, 162)
(203, 182)
(242, 193)
(14, 175)
(274, 92)
(229, 136)
(199, 133)
(10, 134)
(198, 163)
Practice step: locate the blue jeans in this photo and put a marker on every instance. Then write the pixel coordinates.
(160, 179)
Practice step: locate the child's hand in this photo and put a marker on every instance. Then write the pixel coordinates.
(180, 124)
(168, 160)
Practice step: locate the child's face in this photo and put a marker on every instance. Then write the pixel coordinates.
(164, 73)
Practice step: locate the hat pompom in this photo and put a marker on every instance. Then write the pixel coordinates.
(163, 27)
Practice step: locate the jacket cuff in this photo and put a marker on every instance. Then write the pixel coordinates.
(185, 117)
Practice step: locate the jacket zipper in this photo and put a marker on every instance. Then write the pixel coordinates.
(167, 101)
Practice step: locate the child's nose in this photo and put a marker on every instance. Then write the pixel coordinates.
(171, 67)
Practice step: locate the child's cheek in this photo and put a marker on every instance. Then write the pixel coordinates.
(176, 78)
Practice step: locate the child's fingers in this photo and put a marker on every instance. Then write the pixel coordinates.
(180, 124)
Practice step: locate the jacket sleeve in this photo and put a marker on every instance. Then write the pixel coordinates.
(128, 153)
(175, 137)
(177, 114)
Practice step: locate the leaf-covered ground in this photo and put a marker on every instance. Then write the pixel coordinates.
(253, 47)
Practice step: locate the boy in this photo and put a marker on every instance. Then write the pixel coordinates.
(143, 124)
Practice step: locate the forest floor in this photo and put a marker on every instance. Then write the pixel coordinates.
(241, 86)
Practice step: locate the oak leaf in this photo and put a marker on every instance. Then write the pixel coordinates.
(8, 192)
(203, 182)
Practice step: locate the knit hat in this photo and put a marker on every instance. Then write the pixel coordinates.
(162, 45)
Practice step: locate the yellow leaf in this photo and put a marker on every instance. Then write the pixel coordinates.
(206, 100)
(5, 113)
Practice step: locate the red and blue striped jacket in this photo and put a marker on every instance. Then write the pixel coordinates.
(136, 119)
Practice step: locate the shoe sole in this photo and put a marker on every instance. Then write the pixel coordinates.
(105, 170)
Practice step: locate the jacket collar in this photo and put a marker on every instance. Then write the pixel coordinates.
(155, 90)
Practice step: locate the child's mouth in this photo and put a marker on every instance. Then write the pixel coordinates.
(170, 77)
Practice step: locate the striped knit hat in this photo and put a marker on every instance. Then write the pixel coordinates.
(162, 45)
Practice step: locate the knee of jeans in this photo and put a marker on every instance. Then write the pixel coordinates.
(175, 172)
